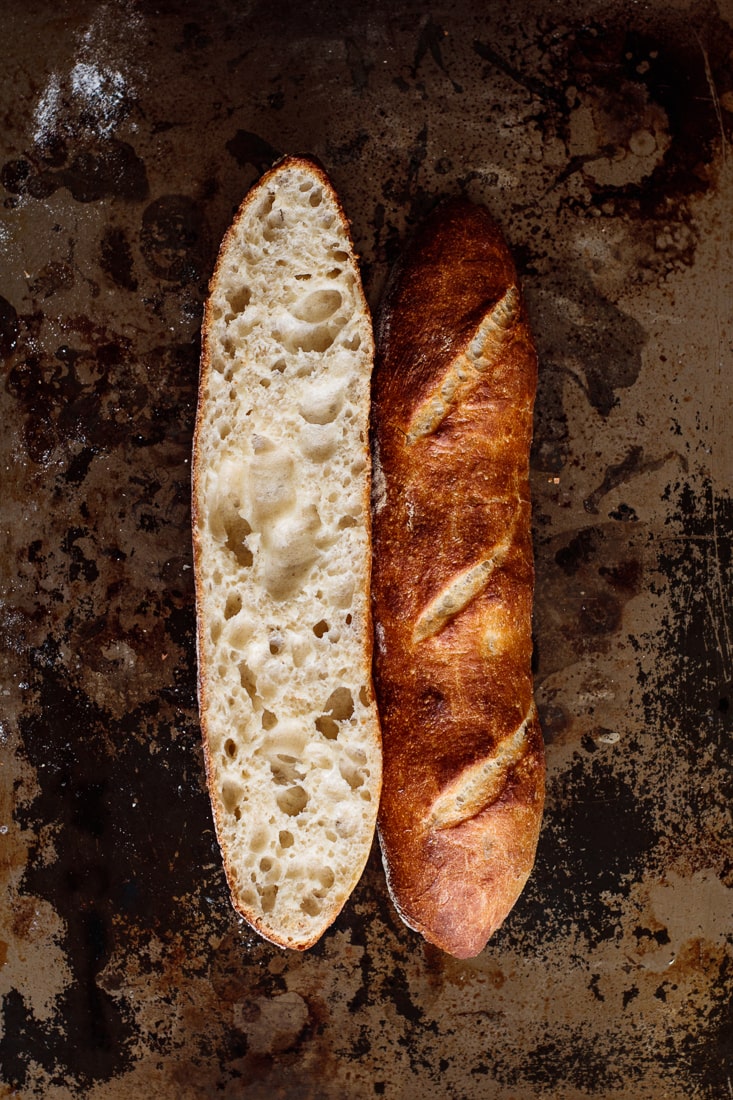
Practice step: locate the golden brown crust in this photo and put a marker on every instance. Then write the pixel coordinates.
(452, 582)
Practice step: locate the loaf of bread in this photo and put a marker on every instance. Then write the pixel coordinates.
(281, 536)
(452, 584)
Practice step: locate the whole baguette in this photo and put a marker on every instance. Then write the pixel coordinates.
(452, 583)
(281, 537)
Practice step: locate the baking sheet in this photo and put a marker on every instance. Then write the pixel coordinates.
(598, 134)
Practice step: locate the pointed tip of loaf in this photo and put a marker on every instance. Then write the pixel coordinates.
(458, 884)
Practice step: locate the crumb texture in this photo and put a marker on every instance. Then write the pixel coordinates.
(282, 542)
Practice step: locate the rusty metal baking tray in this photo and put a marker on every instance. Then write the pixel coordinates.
(598, 134)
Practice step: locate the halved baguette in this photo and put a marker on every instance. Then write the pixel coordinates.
(281, 536)
(453, 393)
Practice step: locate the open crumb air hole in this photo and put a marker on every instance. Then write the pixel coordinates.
(231, 796)
(236, 529)
(247, 679)
(340, 704)
(352, 774)
(326, 725)
(285, 773)
(339, 708)
(326, 878)
(292, 801)
(319, 339)
(233, 605)
(313, 904)
(268, 894)
(239, 299)
(318, 306)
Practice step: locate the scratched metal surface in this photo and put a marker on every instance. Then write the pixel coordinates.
(599, 136)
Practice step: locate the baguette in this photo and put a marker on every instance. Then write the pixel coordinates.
(452, 582)
(281, 538)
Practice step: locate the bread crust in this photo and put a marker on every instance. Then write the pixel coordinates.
(452, 582)
(306, 935)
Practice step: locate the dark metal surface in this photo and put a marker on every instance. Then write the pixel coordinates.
(599, 136)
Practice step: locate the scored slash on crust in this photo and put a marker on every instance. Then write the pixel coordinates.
(480, 786)
(487, 343)
(462, 590)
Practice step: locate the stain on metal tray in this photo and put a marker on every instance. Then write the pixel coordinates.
(599, 136)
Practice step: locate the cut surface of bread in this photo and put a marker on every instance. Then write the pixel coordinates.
(281, 533)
